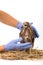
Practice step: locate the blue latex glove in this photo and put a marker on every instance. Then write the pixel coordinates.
(16, 45)
(19, 26)
(35, 31)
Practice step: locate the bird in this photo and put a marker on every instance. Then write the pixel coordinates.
(27, 34)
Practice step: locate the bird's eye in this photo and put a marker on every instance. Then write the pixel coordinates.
(25, 25)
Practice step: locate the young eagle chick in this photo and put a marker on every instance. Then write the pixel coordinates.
(27, 33)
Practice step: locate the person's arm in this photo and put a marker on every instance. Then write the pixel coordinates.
(8, 19)
(2, 48)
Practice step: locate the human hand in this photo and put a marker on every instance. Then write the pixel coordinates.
(36, 35)
(16, 45)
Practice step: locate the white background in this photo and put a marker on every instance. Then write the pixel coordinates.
(22, 10)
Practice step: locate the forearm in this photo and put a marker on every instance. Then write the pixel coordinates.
(2, 48)
(8, 19)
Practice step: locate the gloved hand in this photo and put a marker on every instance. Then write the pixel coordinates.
(19, 26)
(35, 31)
(16, 45)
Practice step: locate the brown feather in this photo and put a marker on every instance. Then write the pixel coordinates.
(27, 33)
